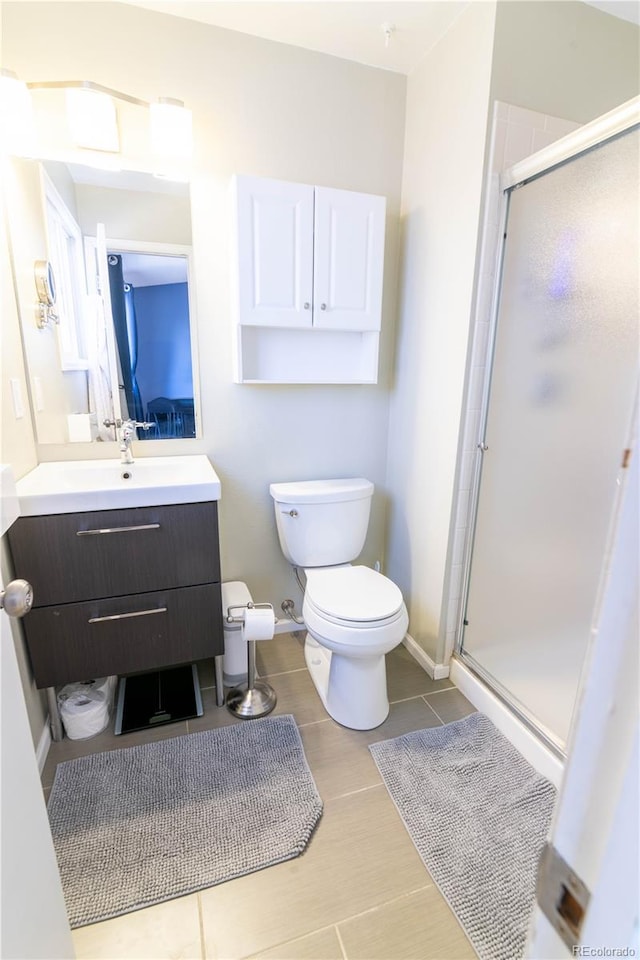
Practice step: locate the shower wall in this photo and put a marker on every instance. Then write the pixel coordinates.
(563, 380)
(516, 133)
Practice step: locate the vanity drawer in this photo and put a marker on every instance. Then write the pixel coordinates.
(84, 641)
(79, 556)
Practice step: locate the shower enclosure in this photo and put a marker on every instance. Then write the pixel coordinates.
(556, 420)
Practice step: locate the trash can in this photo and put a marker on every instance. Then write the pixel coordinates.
(235, 593)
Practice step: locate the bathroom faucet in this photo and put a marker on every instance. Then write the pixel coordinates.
(126, 432)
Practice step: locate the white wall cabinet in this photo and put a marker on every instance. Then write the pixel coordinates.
(309, 272)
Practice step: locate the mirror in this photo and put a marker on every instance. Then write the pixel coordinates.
(122, 343)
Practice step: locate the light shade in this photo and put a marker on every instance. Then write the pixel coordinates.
(171, 129)
(92, 119)
(16, 116)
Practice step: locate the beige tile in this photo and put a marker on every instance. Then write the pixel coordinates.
(417, 927)
(213, 716)
(168, 931)
(323, 945)
(406, 678)
(297, 695)
(359, 857)
(339, 758)
(450, 705)
(72, 749)
(285, 652)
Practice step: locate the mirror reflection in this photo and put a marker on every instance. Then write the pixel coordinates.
(119, 244)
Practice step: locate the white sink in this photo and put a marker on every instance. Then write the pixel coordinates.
(68, 486)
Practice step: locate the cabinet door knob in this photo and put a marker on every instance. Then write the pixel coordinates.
(307, 305)
(323, 306)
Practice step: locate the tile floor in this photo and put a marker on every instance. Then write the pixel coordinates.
(360, 890)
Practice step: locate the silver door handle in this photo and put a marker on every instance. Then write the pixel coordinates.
(125, 616)
(323, 306)
(140, 526)
(17, 599)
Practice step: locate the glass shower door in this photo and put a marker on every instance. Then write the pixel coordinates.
(563, 382)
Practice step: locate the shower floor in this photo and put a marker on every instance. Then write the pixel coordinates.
(543, 676)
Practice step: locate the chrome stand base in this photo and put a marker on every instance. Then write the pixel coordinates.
(253, 702)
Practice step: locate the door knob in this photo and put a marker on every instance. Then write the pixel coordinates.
(17, 599)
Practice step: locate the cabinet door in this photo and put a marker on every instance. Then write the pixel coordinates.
(146, 631)
(275, 252)
(348, 260)
(69, 557)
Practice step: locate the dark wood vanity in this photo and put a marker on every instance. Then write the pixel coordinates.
(120, 591)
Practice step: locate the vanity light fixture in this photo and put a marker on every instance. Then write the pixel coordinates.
(171, 133)
(16, 115)
(91, 111)
(91, 114)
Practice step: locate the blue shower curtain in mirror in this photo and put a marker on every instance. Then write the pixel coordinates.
(126, 332)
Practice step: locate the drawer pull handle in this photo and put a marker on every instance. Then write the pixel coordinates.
(141, 526)
(125, 616)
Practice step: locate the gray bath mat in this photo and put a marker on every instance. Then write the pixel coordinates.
(478, 815)
(137, 826)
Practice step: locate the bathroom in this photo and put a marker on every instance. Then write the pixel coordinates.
(282, 111)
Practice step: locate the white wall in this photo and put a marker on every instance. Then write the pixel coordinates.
(271, 110)
(566, 59)
(17, 447)
(447, 108)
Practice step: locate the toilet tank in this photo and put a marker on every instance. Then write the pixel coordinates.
(322, 523)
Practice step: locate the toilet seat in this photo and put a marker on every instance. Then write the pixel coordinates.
(353, 596)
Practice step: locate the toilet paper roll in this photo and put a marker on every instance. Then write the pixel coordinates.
(105, 685)
(258, 624)
(84, 714)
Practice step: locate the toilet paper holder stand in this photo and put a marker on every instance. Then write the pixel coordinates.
(245, 606)
(257, 698)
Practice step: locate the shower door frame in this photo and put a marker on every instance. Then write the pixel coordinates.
(615, 123)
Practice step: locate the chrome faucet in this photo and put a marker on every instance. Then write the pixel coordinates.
(125, 433)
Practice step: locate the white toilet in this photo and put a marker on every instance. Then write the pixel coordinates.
(353, 615)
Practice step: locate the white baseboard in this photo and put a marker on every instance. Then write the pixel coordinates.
(44, 743)
(437, 671)
(531, 748)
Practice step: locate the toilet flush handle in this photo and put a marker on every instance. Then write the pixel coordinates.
(290, 513)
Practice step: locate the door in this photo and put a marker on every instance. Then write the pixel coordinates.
(562, 388)
(593, 849)
(275, 252)
(33, 917)
(349, 260)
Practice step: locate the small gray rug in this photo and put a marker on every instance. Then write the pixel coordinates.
(478, 815)
(137, 826)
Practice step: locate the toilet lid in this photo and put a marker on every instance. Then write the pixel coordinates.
(353, 593)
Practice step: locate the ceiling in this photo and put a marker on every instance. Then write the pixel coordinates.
(352, 29)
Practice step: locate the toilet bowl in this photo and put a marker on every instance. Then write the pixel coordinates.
(354, 617)
(353, 614)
